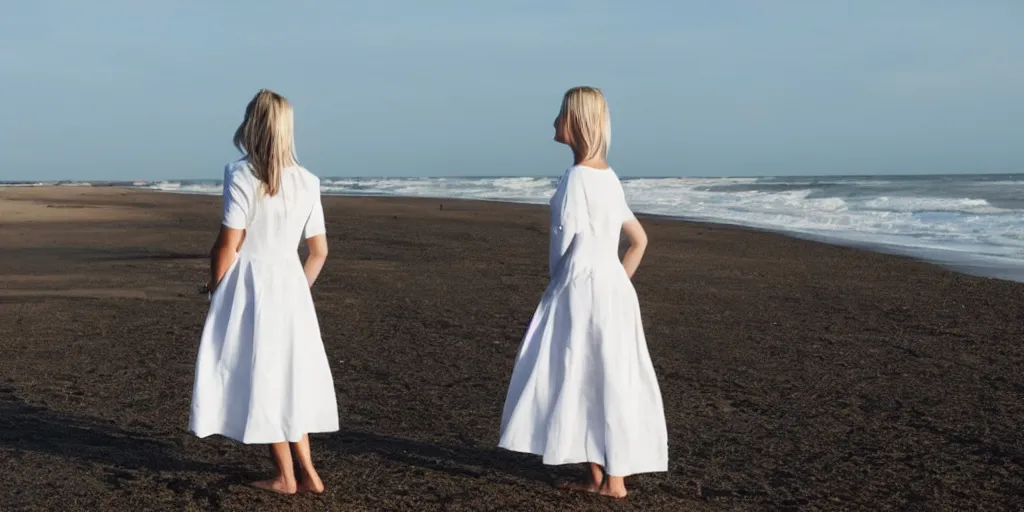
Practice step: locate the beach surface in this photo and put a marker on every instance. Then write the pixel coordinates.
(795, 375)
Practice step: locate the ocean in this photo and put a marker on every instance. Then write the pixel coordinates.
(974, 223)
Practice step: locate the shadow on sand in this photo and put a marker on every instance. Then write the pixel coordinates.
(31, 428)
(459, 461)
(27, 428)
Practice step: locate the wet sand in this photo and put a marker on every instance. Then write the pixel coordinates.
(795, 375)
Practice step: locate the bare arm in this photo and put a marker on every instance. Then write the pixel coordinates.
(317, 256)
(223, 254)
(637, 245)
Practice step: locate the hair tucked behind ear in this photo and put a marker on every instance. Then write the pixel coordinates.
(588, 124)
(266, 136)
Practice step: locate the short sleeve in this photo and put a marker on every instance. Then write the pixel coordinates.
(315, 224)
(565, 218)
(237, 198)
(563, 206)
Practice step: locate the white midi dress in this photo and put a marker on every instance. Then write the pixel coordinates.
(261, 373)
(583, 388)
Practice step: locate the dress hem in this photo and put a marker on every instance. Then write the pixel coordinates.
(205, 434)
(660, 467)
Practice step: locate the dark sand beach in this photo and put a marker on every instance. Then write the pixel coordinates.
(795, 375)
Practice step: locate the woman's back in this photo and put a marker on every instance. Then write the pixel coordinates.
(586, 341)
(274, 224)
(262, 374)
(587, 212)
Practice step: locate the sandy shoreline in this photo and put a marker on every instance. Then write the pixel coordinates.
(983, 266)
(794, 373)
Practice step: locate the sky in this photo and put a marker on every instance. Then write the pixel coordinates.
(125, 90)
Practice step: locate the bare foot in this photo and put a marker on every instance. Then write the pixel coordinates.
(278, 485)
(592, 485)
(311, 483)
(577, 486)
(615, 490)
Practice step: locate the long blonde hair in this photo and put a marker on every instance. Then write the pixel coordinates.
(267, 137)
(588, 124)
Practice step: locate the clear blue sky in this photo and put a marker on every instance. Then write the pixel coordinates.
(118, 89)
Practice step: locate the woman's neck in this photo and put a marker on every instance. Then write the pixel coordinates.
(594, 162)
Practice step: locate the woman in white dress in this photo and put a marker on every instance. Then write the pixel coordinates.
(262, 375)
(583, 388)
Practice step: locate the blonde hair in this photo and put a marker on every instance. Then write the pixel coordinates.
(267, 137)
(588, 124)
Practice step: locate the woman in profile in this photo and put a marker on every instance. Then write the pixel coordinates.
(262, 375)
(583, 388)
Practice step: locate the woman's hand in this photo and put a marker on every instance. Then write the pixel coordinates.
(317, 256)
(637, 245)
(223, 254)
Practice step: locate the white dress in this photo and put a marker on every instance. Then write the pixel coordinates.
(583, 388)
(262, 375)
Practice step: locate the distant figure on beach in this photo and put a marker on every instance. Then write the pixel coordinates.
(262, 375)
(583, 388)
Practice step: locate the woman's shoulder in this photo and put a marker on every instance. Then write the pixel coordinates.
(583, 169)
(581, 173)
(306, 173)
(238, 174)
(576, 173)
(241, 171)
(237, 169)
(307, 176)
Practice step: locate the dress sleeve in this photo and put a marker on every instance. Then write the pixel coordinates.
(625, 211)
(237, 198)
(565, 218)
(315, 224)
